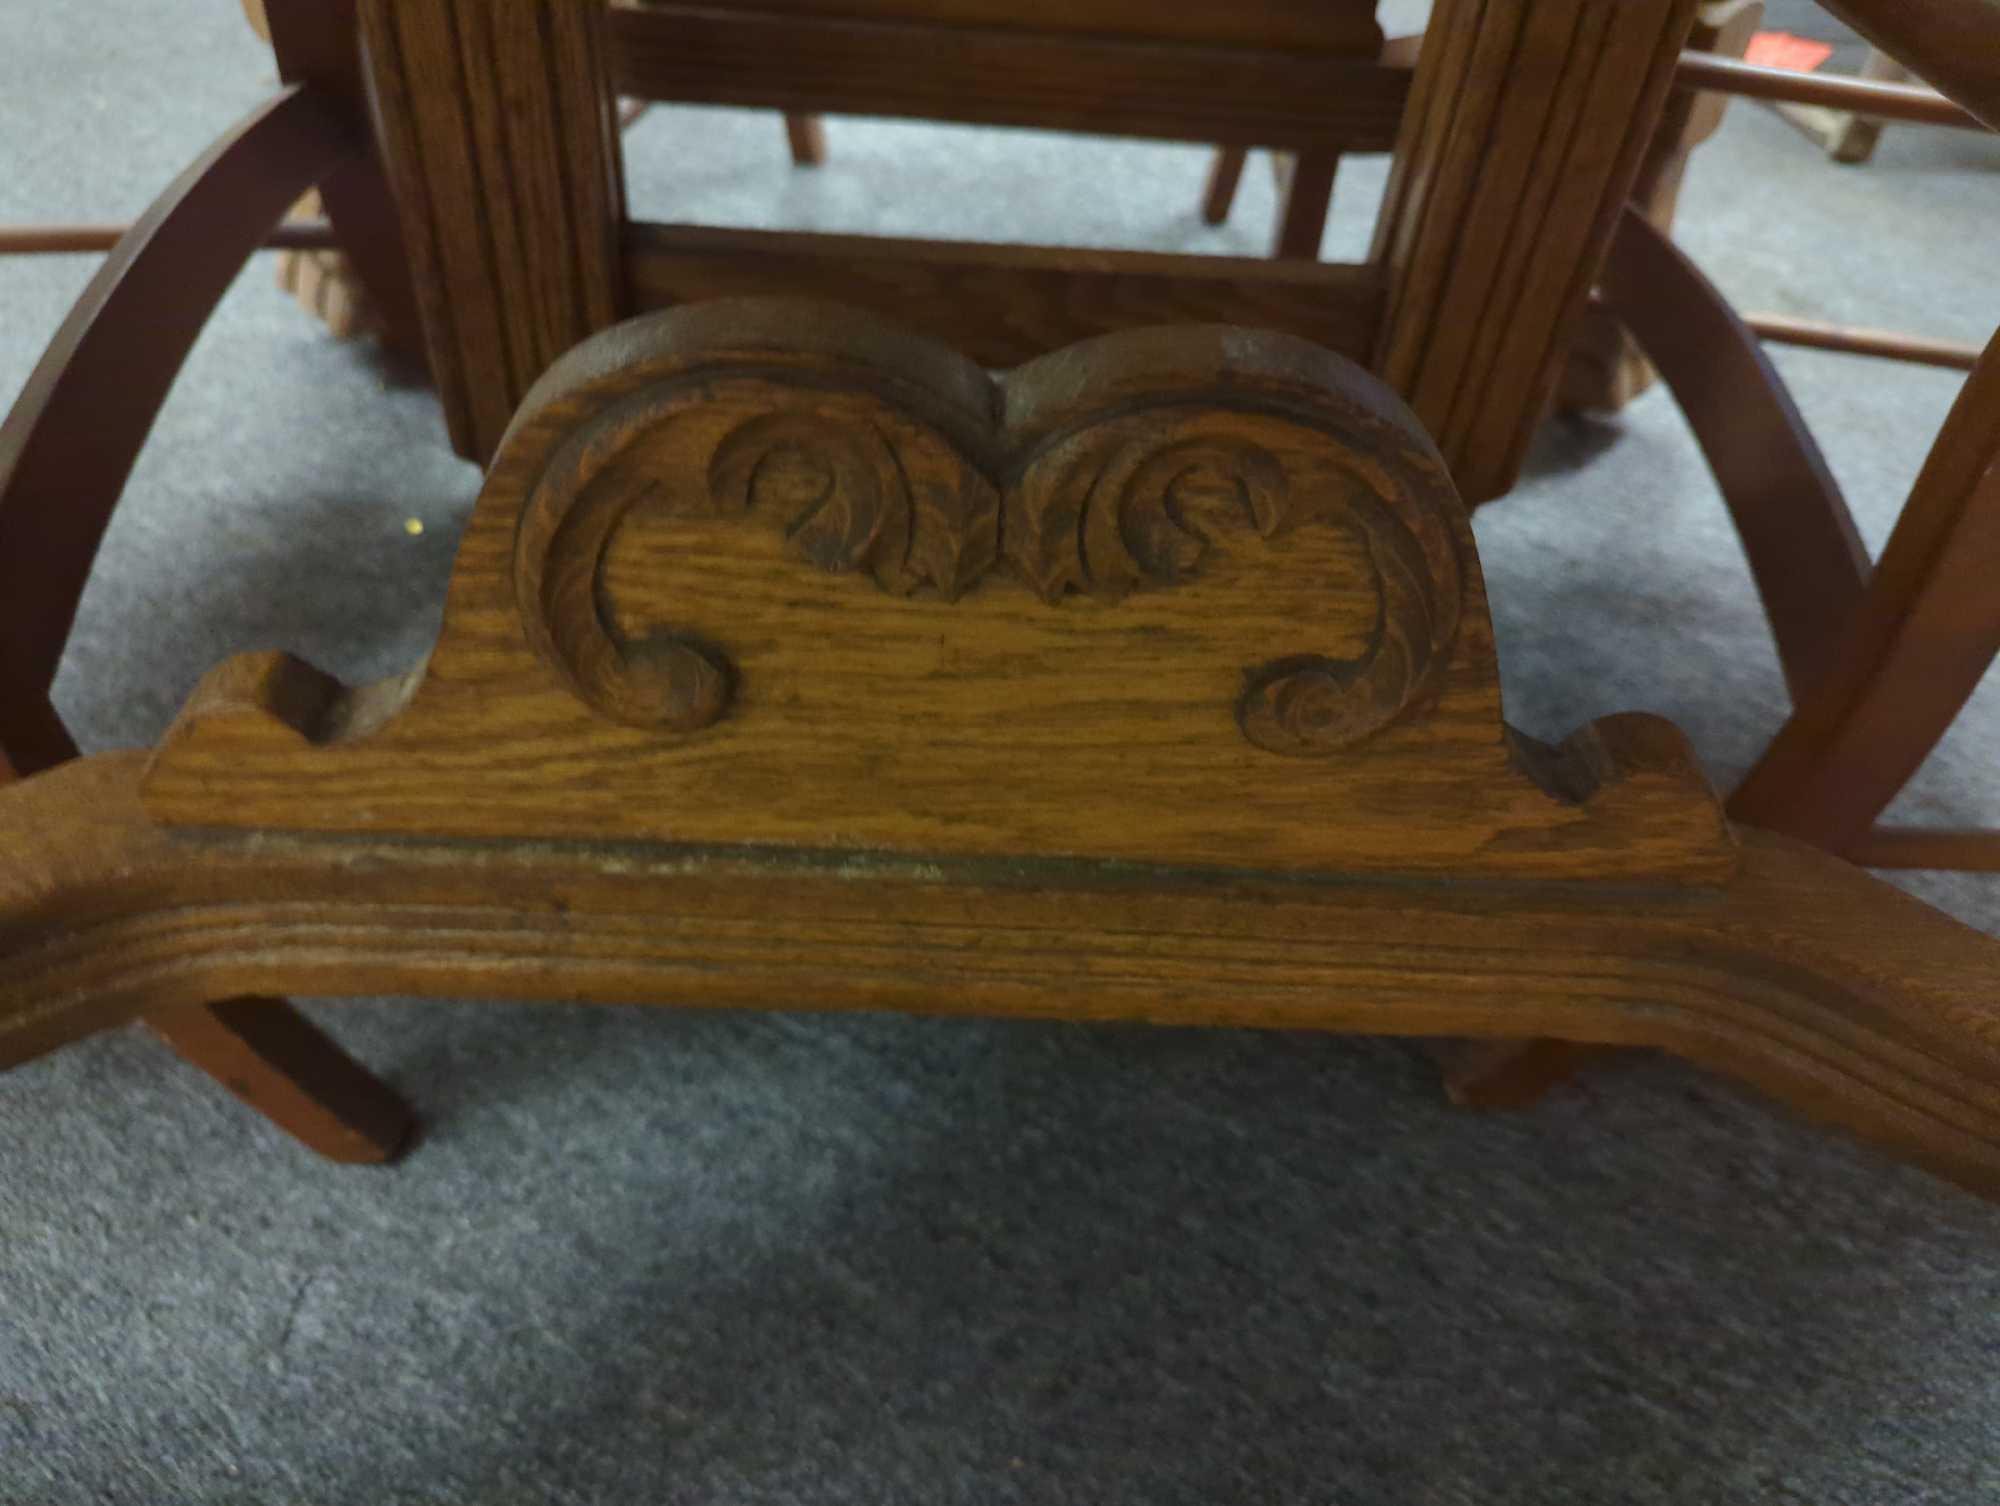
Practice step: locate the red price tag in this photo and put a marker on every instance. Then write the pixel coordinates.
(1780, 49)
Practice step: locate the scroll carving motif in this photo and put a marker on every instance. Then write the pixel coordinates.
(853, 486)
(1140, 500)
(1131, 495)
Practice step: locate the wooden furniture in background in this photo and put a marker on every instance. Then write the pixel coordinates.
(1107, 558)
(1844, 134)
(1305, 183)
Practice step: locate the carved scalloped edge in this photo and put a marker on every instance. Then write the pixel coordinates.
(1065, 473)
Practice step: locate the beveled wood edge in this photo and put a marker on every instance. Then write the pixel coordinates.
(1823, 987)
(1647, 809)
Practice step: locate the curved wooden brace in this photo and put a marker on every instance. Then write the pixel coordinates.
(1823, 987)
(72, 436)
(1879, 661)
(65, 450)
(1920, 642)
(1803, 549)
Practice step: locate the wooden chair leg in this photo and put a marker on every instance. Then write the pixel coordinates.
(1302, 209)
(281, 1064)
(1508, 1074)
(290, 1071)
(806, 135)
(1225, 171)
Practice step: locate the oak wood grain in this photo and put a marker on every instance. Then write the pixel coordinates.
(1841, 997)
(1526, 127)
(1304, 202)
(66, 448)
(287, 1069)
(1950, 44)
(1940, 848)
(774, 572)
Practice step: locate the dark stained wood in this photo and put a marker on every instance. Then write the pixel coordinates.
(1890, 345)
(1842, 134)
(1950, 44)
(1951, 849)
(1304, 204)
(1804, 553)
(282, 1065)
(69, 441)
(1872, 97)
(1605, 369)
(1004, 75)
(1003, 305)
(1523, 139)
(1226, 167)
(805, 135)
(1919, 641)
(503, 151)
(1880, 663)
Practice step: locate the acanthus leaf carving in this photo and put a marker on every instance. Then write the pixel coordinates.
(1136, 497)
(1138, 501)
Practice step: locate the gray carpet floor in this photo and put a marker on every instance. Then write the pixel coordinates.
(744, 1257)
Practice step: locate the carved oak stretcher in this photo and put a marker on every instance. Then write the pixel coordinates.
(791, 658)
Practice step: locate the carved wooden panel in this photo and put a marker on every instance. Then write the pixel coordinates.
(771, 572)
(1004, 305)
